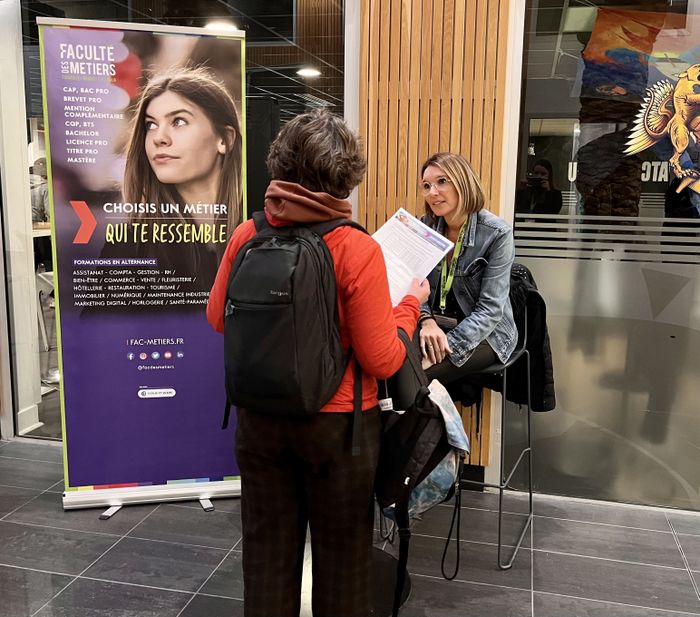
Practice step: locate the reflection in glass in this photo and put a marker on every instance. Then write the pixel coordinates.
(618, 264)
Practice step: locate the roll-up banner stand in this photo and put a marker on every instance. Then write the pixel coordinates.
(145, 143)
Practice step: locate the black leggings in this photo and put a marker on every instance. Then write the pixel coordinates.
(446, 372)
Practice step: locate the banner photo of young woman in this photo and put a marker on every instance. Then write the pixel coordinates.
(145, 150)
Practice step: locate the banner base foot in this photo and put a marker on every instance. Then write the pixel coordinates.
(109, 513)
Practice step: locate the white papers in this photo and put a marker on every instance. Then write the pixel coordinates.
(411, 250)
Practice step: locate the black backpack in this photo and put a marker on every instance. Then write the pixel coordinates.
(413, 443)
(282, 349)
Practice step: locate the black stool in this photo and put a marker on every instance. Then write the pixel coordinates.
(501, 369)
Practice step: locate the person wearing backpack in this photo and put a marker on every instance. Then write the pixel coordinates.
(467, 324)
(300, 469)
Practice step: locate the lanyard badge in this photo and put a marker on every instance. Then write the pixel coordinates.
(447, 275)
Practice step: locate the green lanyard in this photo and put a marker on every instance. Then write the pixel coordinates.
(447, 278)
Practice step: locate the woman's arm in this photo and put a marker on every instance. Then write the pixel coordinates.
(488, 311)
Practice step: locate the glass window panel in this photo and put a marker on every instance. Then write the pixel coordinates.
(608, 220)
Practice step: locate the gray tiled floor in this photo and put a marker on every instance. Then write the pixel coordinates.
(590, 559)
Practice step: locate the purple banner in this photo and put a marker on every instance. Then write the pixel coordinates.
(145, 136)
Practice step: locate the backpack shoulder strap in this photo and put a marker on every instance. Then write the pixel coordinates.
(263, 229)
(320, 229)
(260, 221)
(326, 227)
(413, 357)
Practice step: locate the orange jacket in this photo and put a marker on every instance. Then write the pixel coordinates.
(367, 321)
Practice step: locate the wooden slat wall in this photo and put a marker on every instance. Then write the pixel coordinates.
(429, 81)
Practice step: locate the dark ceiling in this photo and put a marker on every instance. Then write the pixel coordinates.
(270, 26)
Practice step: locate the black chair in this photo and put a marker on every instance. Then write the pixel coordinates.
(501, 369)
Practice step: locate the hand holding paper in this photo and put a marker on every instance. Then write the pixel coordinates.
(411, 250)
(420, 289)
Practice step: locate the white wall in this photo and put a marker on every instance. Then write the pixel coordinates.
(18, 246)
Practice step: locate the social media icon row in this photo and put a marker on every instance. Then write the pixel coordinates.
(155, 355)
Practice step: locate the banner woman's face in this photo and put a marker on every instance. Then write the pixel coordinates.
(181, 144)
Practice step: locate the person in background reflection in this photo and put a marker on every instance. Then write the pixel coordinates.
(40, 214)
(538, 194)
(39, 192)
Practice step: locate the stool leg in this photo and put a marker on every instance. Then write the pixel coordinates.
(529, 435)
(501, 471)
(505, 481)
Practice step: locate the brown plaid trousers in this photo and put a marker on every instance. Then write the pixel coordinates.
(298, 471)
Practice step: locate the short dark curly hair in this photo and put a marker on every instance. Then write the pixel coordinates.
(319, 151)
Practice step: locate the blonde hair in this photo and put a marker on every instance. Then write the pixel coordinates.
(462, 175)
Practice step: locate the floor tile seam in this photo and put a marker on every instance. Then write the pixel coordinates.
(38, 491)
(11, 512)
(84, 531)
(481, 542)
(532, 567)
(60, 591)
(49, 444)
(632, 563)
(544, 497)
(62, 480)
(601, 524)
(29, 460)
(506, 494)
(128, 584)
(613, 602)
(206, 580)
(494, 510)
(93, 563)
(56, 572)
(684, 558)
(28, 488)
(214, 595)
(560, 518)
(117, 542)
(175, 543)
(685, 534)
(465, 581)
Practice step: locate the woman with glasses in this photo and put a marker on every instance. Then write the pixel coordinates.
(467, 323)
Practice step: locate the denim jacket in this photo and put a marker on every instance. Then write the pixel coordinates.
(481, 286)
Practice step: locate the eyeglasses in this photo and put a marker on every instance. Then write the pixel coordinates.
(440, 185)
